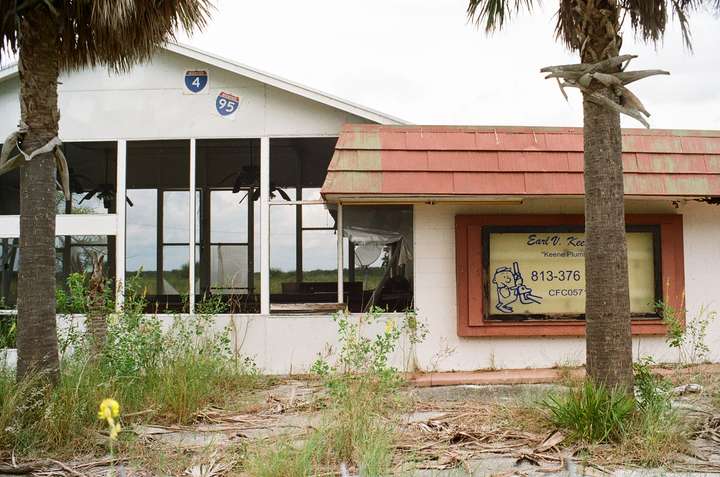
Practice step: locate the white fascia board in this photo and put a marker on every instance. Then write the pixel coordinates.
(286, 85)
(66, 224)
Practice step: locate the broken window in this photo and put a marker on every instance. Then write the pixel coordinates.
(379, 269)
(228, 181)
(157, 220)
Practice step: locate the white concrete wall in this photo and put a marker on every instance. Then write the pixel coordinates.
(435, 289)
(149, 103)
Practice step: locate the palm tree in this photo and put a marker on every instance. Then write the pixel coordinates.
(51, 36)
(592, 28)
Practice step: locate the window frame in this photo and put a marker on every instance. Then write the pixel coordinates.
(471, 274)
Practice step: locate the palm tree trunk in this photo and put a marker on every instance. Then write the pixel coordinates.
(38, 67)
(607, 304)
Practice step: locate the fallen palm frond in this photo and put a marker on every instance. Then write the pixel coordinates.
(465, 432)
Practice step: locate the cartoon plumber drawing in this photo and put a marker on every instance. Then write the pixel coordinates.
(510, 288)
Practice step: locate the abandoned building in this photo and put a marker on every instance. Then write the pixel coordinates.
(304, 204)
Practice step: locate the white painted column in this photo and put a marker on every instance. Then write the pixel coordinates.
(339, 224)
(120, 212)
(191, 268)
(265, 225)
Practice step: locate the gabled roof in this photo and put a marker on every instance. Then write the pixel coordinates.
(392, 162)
(266, 78)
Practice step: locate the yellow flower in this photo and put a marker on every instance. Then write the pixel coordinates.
(109, 408)
(389, 326)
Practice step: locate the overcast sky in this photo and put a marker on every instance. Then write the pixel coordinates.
(420, 60)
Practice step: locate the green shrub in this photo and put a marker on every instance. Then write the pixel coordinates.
(592, 413)
(646, 429)
(358, 429)
(171, 373)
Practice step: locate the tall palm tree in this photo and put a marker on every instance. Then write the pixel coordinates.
(592, 28)
(51, 36)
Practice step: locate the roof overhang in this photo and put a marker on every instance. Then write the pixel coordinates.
(485, 164)
(275, 81)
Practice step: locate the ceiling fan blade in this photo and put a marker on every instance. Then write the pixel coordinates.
(88, 196)
(283, 194)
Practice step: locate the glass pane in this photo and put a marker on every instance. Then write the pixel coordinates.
(141, 230)
(228, 174)
(318, 216)
(176, 267)
(320, 256)
(155, 167)
(228, 269)
(176, 218)
(316, 281)
(229, 216)
(282, 247)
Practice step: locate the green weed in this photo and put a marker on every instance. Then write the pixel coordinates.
(591, 413)
(167, 375)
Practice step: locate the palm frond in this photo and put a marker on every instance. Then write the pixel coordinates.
(492, 14)
(120, 33)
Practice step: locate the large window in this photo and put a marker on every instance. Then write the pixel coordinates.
(524, 275)
(157, 220)
(228, 259)
(93, 171)
(303, 236)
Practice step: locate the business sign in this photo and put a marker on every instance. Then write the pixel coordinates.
(226, 104)
(543, 273)
(196, 81)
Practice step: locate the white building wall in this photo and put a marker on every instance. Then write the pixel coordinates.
(149, 102)
(435, 289)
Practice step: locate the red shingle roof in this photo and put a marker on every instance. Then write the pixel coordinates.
(376, 160)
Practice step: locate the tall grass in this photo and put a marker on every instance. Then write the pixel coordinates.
(167, 376)
(358, 429)
(645, 429)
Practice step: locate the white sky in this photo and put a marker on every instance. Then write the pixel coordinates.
(420, 60)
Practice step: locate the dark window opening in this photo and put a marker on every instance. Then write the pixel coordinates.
(228, 218)
(379, 266)
(10, 190)
(92, 169)
(9, 266)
